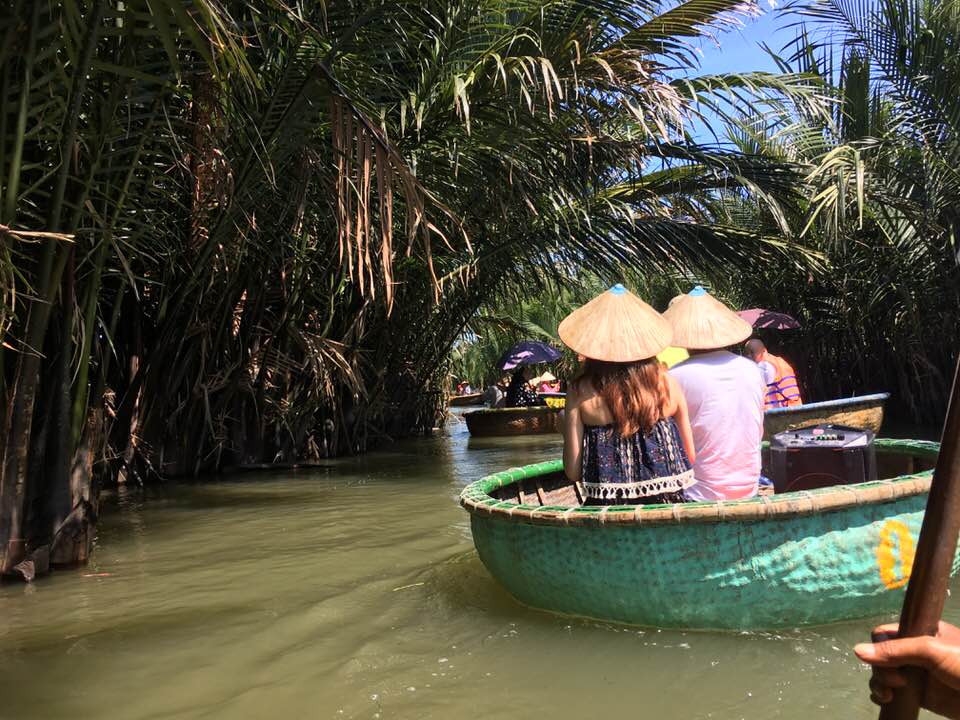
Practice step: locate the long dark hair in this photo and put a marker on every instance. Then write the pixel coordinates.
(634, 392)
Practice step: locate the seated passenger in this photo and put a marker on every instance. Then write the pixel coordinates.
(626, 431)
(781, 379)
(724, 393)
(493, 396)
(519, 392)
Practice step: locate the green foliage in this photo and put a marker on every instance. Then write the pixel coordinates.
(273, 220)
(518, 315)
(882, 311)
(879, 291)
(509, 319)
(285, 216)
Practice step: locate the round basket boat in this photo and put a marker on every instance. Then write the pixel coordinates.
(787, 560)
(864, 412)
(465, 400)
(513, 421)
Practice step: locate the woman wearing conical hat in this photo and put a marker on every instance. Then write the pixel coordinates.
(724, 392)
(626, 431)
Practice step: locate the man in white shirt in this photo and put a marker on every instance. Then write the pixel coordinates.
(725, 395)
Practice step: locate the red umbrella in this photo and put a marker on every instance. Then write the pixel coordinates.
(770, 319)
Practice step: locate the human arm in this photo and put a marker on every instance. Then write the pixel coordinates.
(939, 656)
(682, 417)
(572, 436)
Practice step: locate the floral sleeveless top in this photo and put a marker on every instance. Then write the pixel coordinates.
(643, 468)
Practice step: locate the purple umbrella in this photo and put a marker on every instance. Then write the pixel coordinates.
(528, 352)
(770, 319)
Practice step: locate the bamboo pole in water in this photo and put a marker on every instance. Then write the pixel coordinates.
(927, 589)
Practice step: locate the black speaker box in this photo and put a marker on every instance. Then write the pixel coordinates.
(821, 456)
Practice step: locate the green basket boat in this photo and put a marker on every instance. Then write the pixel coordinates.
(537, 420)
(864, 412)
(802, 558)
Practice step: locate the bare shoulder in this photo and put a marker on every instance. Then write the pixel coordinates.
(674, 395)
(581, 394)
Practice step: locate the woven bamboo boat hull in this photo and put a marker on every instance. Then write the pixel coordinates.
(864, 412)
(465, 400)
(786, 560)
(513, 421)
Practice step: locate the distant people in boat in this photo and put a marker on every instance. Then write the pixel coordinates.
(464, 388)
(939, 656)
(546, 383)
(778, 374)
(519, 392)
(627, 436)
(724, 393)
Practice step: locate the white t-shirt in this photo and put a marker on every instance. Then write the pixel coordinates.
(725, 397)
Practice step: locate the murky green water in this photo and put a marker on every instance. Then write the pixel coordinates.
(354, 592)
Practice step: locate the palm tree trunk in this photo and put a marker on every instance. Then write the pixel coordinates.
(58, 501)
(19, 419)
(134, 396)
(203, 158)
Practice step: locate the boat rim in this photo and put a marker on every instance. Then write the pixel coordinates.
(529, 409)
(477, 500)
(826, 404)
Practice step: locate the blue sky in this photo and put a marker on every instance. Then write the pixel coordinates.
(739, 51)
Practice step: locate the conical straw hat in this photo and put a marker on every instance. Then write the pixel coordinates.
(701, 322)
(616, 326)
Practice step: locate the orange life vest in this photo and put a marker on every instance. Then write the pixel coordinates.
(783, 391)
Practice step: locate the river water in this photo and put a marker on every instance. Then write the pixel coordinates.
(353, 591)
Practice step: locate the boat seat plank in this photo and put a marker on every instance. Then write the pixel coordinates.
(563, 496)
(541, 495)
(578, 491)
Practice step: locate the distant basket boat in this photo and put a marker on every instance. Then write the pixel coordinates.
(464, 400)
(548, 395)
(513, 421)
(785, 560)
(864, 412)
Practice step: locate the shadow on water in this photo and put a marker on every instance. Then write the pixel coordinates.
(464, 583)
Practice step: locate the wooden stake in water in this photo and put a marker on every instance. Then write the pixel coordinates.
(927, 589)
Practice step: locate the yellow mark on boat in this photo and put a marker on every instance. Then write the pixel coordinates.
(896, 543)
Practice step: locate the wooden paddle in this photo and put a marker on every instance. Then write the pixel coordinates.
(927, 589)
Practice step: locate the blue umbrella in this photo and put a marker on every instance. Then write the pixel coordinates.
(528, 352)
